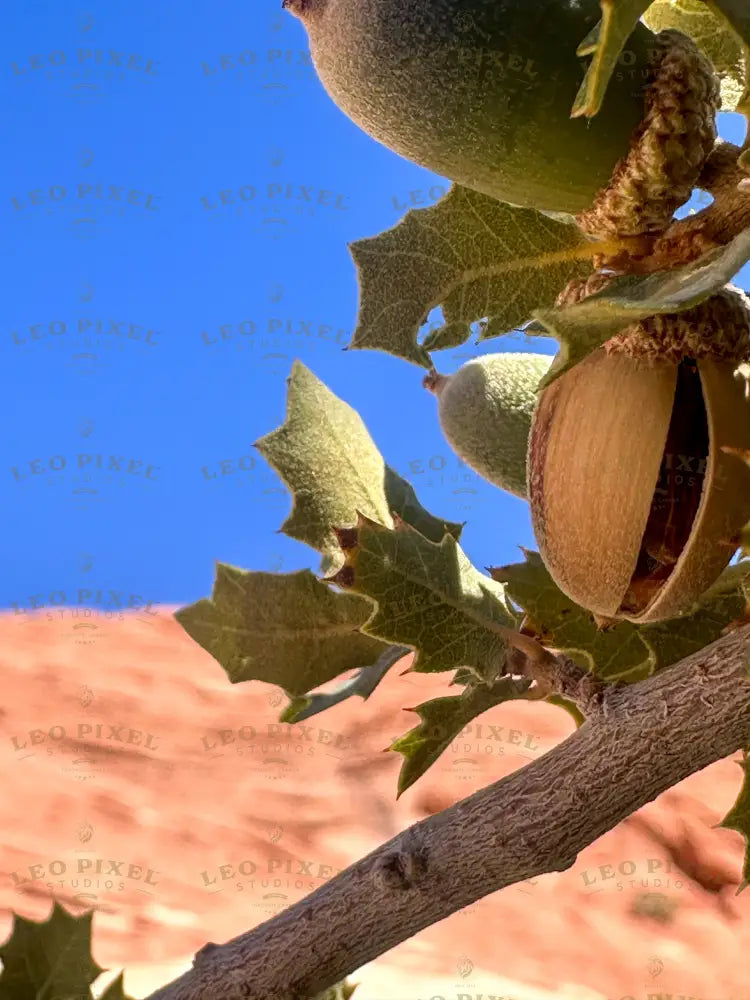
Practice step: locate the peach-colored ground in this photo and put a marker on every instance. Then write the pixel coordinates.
(648, 909)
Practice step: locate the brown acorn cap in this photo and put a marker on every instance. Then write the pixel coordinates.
(717, 328)
(580, 288)
(669, 148)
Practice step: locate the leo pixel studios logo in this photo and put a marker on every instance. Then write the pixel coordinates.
(87, 71)
(86, 746)
(273, 882)
(276, 748)
(87, 476)
(89, 206)
(275, 205)
(635, 874)
(85, 876)
(477, 741)
(87, 340)
(274, 339)
(447, 476)
(83, 612)
(422, 197)
(275, 71)
(246, 470)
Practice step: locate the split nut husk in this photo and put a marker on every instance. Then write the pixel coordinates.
(635, 505)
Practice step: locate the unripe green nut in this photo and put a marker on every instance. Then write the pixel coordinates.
(486, 410)
(482, 91)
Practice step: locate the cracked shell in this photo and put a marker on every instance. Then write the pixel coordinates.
(634, 504)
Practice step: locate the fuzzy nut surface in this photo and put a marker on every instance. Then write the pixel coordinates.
(486, 410)
(481, 91)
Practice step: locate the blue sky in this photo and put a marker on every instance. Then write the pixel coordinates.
(142, 319)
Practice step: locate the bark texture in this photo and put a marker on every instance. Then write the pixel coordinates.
(638, 741)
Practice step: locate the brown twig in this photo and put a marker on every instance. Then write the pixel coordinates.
(717, 225)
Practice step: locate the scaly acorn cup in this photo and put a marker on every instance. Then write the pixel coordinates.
(485, 412)
(481, 91)
(635, 506)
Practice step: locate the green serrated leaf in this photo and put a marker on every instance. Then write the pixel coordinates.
(403, 502)
(673, 640)
(449, 335)
(429, 597)
(584, 327)
(619, 653)
(624, 651)
(712, 34)
(738, 818)
(363, 684)
(474, 256)
(442, 719)
(286, 629)
(605, 42)
(50, 958)
(325, 455)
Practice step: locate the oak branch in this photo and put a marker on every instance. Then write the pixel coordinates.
(639, 741)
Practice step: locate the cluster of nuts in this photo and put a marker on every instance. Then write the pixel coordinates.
(629, 460)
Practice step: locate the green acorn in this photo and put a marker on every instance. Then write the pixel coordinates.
(481, 92)
(485, 411)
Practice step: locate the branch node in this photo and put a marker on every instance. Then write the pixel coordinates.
(589, 692)
(203, 953)
(402, 869)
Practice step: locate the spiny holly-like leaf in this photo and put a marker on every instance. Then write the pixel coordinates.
(442, 719)
(738, 818)
(428, 597)
(624, 652)
(50, 958)
(714, 37)
(286, 629)
(363, 684)
(605, 42)
(403, 501)
(325, 455)
(474, 256)
(584, 327)
(453, 335)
